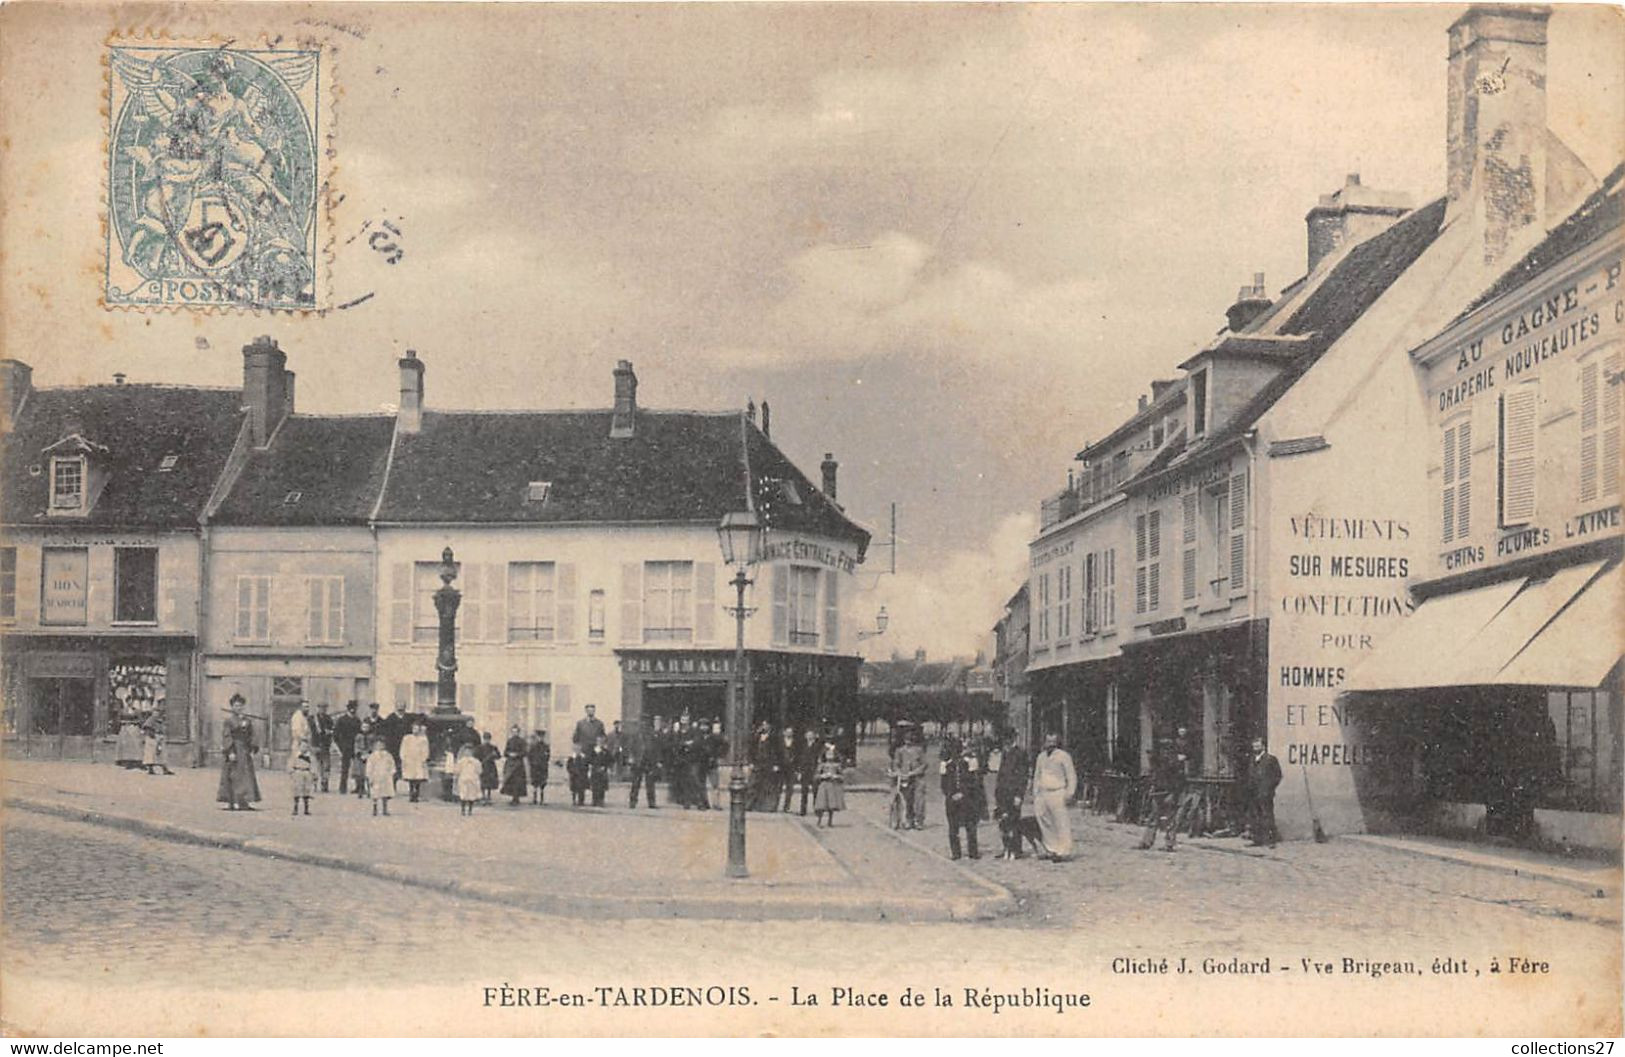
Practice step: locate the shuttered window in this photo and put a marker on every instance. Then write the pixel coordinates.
(1091, 593)
(668, 601)
(1517, 462)
(1108, 590)
(1238, 534)
(532, 608)
(400, 602)
(1456, 503)
(1063, 602)
(781, 605)
(1599, 428)
(1043, 608)
(425, 618)
(565, 601)
(253, 608)
(1148, 563)
(803, 605)
(324, 609)
(471, 612)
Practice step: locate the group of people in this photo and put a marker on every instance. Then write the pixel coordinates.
(782, 764)
(1175, 800)
(140, 742)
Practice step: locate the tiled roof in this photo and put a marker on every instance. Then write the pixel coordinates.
(1352, 287)
(138, 425)
(319, 470)
(1597, 216)
(469, 466)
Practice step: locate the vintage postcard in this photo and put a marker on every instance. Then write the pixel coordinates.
(816, 519)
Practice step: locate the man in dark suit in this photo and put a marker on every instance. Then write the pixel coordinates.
(648, 751)
(589, 729)
(1263, 776)
(345, 729)
(321, 742)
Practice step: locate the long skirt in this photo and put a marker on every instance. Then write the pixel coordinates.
(1054, 825)
(831, 796)
(127, 750)
(237, 782)
(513, 776)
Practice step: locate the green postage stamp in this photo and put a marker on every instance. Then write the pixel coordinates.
(216, 175)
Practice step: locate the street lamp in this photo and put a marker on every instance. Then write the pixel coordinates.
(740, 537)
(881, 620)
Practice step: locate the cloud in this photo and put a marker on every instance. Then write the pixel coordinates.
(949, 601)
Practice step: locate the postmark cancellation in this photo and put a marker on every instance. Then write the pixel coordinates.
(217, 174)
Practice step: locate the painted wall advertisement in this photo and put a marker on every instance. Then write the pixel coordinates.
(64, 586)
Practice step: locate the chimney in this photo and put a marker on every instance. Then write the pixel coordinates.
(264, 388)
(118, 377)
(287, 388)
(1351, 214)
(829, 466)
(767, 420)
(624, 421)
(1250, 301)
(16, 381)
(1145, 402)
(1160, 386)
(1496, 134)
(409, 416)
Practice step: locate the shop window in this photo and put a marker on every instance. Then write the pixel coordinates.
(61, 707)
(1148, 562)
(135, 585)
(253, 609)
(68, 483)
(1599, 427)
(324, 609)
(1585, 726)
(529, 706)
(668, 601)
(1457, 503)
(1517, 463)
(8, 583)
(595, 615)
(532, 601)
(64, 583)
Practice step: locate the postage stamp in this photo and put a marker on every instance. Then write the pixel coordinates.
(216, 175)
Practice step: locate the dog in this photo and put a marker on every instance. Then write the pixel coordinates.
(1027, 830)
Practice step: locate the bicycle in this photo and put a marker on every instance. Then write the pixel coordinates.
(897, 813)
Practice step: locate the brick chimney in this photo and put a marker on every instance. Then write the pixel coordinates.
(16, 382)
(767, 420)
(1496, 137)
(829, 466)
(624, 421)
(1351, 214)
(1250, 301)
(409, 413)
(265, 388)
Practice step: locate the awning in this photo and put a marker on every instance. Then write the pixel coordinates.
(1548, 632)
(1581, 646)
(1418, 652)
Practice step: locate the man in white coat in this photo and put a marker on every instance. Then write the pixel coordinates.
(1054, 782)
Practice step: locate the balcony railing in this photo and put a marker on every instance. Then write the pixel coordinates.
(1085, 492)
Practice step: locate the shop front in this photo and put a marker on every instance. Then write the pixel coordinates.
(785, 689)
(67, 697)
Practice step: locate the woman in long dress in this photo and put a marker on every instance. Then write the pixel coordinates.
(415, 760)
(1054, 782)
(513, 767)
(239, 788)
(830, 795)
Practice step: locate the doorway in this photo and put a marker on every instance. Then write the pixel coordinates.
(61, 717)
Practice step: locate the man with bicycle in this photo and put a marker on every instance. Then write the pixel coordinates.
(908, 765)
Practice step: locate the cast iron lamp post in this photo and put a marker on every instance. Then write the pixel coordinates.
(740, 536)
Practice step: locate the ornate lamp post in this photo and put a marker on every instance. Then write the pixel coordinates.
(882, 618)
(740, 536)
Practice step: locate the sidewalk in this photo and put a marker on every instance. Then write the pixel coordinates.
(555, 859)
(1593, 877)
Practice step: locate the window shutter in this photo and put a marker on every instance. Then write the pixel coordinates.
(471, 614)
(496, 710)
(1188, 538)
(1139, 589)
(1448, 496)
(335, 608)
(1609, 456)
(1111, 587)
(1153, 592)
(521, 597)
(400, 602)
(705, 601)
(262, 608)
(565, 594)
(245, 607)
(832, 609)
(496, 597)
(1153, 531)
(1464, 478)
(1139, 538)
(561, 702)
(631, 603)
(781, 605)
(1518, 459)
(1588, 431)
(315, 608)
(1238, 534)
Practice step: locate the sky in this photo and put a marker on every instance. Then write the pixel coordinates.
(949, 244)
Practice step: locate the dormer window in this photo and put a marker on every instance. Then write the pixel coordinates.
(1199, 402)
(68, 483)
(538, 491)
(292, 498)
(167, 464)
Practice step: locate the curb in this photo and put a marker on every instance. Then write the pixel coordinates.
(780, 906)
(1555, 874)
(1000, 899)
